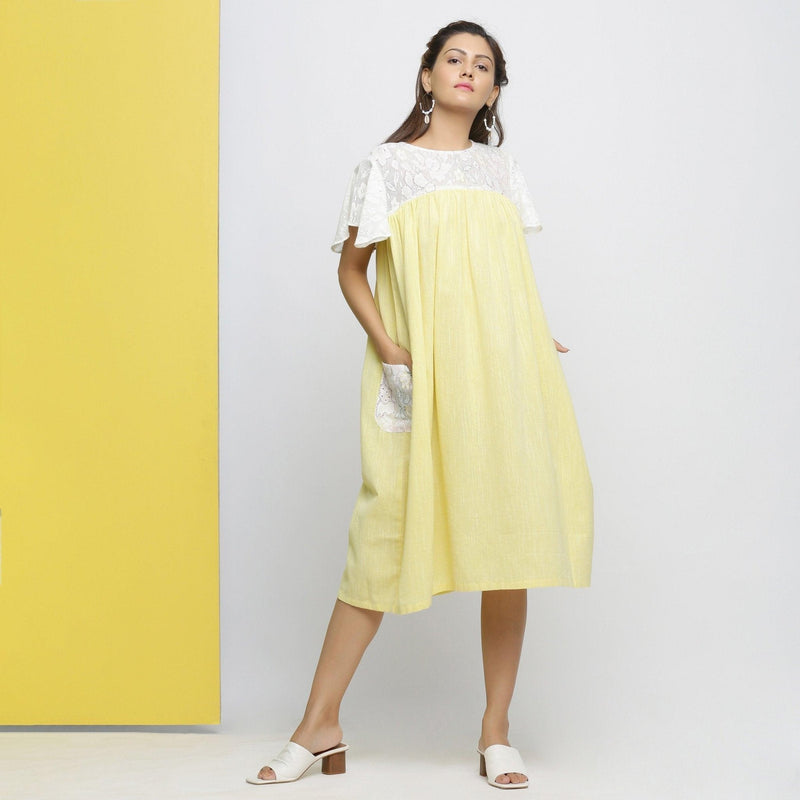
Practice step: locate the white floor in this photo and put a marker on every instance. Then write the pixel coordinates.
(37, 765)
(118, 765)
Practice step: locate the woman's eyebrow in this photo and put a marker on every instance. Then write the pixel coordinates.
(465, 52)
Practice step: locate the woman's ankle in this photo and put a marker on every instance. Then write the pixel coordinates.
(495, 723)
(312, 723)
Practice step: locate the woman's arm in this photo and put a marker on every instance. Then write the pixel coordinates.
(353, 281)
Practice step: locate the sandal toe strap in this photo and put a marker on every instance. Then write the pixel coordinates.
(501, 758)
(291, 761)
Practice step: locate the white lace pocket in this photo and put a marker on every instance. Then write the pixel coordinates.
(393, 409)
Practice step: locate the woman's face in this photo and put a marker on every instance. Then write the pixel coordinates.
(463, 74)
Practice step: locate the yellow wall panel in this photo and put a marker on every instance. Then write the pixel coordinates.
(109, 609)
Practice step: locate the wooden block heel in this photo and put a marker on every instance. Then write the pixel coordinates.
(334, 764)
(483, 766)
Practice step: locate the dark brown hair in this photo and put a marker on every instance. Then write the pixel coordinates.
(414, 125)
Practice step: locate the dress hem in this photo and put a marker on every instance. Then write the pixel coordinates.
(410, 609)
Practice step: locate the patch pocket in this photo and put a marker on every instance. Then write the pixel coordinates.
(393, 409)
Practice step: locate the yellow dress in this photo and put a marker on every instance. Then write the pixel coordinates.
(474, 474)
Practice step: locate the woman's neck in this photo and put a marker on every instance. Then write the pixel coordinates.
(446, 132)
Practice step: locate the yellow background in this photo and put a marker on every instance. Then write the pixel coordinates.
(109, 609)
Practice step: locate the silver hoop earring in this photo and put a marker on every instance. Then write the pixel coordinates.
(488, 127)
(428, 112)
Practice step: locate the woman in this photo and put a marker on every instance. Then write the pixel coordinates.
(488, 489)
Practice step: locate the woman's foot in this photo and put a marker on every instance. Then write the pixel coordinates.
(316, 739)
(497, 733)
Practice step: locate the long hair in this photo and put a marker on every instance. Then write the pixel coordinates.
(414, 125)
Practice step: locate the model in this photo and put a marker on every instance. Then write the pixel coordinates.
(474, 475)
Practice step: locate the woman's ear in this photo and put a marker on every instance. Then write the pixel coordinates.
(425, 79)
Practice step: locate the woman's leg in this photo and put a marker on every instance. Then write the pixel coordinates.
(350, 630)
(503, 617)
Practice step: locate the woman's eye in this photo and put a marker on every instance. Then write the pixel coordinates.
(455, 58)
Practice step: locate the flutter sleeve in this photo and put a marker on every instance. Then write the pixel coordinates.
(519, 193)
(365, 206)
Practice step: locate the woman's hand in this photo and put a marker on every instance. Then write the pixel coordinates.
(394, 354)
(560, 347)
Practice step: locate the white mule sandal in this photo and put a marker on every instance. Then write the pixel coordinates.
(293, 761)
(499, 758)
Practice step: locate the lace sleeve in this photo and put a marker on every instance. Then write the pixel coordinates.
(364, 206)
(522, 197)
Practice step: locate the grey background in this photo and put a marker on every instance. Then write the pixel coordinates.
(660, 145)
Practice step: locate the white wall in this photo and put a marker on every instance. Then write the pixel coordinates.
(660, 144)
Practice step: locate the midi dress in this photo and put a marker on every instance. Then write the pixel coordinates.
(474, 475)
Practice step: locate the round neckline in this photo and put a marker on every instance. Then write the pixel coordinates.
(431, 150)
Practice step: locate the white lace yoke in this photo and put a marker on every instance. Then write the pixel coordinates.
(395, 172)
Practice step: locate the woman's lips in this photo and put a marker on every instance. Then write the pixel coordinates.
(464, 86)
